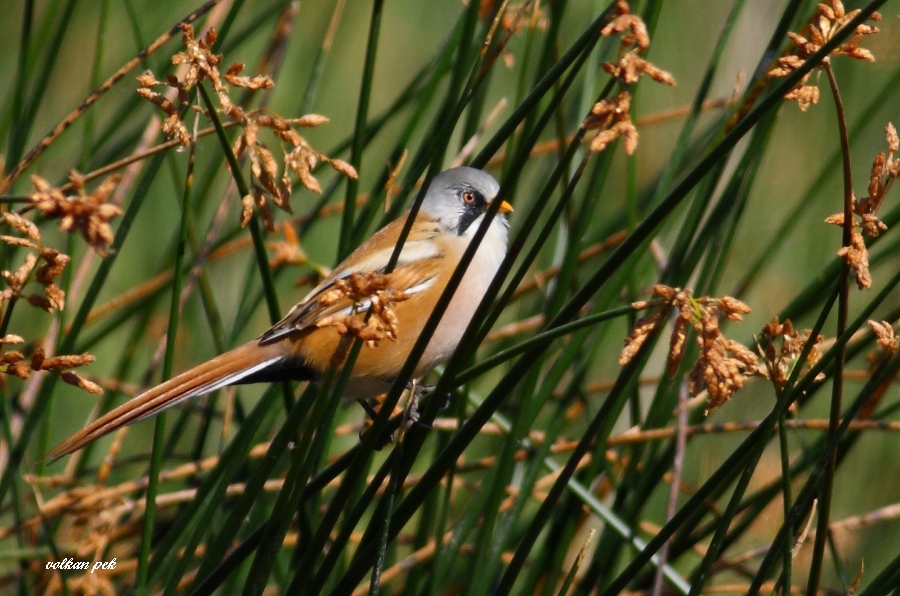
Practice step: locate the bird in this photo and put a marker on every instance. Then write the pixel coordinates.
(306, 342)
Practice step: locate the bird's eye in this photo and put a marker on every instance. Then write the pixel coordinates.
(468, 197)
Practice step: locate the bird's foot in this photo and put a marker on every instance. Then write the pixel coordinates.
(422, 390)
(411, 415)
(386, 437)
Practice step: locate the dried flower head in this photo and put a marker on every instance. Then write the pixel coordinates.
(885, 169)
(258, 199)
(201, 62)
(300, 159)
(17, 364)
(53, 298)
(52, 263)
(723, 364)
(368, 293)
(11, 339)
(781, 346)
(88, 213)
(31, 237)
(630, 26)
(830, 19)
(612, 117)
(172, 125)
(253, 83)
(857, 256)
(631, 67)
(16, 280)
(886, 339)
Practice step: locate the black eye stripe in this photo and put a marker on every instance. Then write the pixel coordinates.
(469, 215)
(472, 209)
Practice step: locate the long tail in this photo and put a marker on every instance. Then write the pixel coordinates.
(249, 360)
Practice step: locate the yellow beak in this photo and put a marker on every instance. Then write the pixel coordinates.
(505, 207)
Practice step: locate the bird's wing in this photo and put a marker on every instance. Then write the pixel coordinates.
(416, 270)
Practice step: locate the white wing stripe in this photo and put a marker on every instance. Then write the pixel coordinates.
(210, 387)
(421, 286)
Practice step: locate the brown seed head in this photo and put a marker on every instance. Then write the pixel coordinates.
(256, 83)
(369, 292)
(830, 20)
(886, 338)
(612, 117)
(722, 365)
(631, 25)
(89, 214)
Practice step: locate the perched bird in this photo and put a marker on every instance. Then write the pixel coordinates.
(303, 344)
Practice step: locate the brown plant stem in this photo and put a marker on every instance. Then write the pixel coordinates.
(140, 155)
(815, 569)
(662, 117)
(675, 487)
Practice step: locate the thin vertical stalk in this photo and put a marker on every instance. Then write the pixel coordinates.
(25, 120)
(87, 148)
(318, 64)
(19, 87)
(362, 115)
(804, 499)
(834, 419)
(259, 244)
(787, 499)
(171, 340)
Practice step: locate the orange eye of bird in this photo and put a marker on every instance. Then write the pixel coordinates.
(468, 197)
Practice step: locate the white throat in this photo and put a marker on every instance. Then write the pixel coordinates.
(471, 290)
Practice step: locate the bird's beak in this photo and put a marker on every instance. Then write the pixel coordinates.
(505, 207)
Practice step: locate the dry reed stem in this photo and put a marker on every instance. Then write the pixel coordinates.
(273, 58)
(141, 155)
(472, 143)
(489, 54)
(635, 435)
(850, 523)
(419, 557)
(154, 284)
(553, 145)
(393, 171)
(331, 33)
(539, 279)
(515, 328)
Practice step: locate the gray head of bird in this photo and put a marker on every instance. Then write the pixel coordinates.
(459, 198)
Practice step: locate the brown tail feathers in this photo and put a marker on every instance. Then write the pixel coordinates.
(235, 366)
